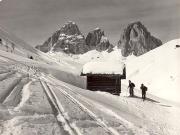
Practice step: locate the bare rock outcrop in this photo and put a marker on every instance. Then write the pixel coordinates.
(68, 39)
(96, 39)
(137, 40)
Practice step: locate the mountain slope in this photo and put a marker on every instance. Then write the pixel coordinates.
(97, 40)
(34, 101)
(137, 40)
(159, 70)
(11, 43)
(67, 39)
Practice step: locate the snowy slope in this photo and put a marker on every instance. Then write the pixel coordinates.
(159, 70)
(21, 47)
(153, 116)
(34, 102)
(64, 69)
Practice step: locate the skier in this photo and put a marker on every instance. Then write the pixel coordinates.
(144, 89)
(131, 88)
(31, 57)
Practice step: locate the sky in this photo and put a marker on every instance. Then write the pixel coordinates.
(35, 20)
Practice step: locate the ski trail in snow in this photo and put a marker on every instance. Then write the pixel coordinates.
(126, 123)
(101, 123)
(137, 130)
(61, 117)
(109, 111)
(25, 95)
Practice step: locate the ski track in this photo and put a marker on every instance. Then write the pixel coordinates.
(92, 115)
(4, 71)
(74, 95)
(9, 89)
(15, 95)
(64, 118)
(25, 96)
(7, 75)
(68, 93)
(71, 95)
(58, 107)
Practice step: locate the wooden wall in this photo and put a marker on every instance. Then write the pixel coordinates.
(103, 83)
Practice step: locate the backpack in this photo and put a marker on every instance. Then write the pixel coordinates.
(133, 85)
(145, 88)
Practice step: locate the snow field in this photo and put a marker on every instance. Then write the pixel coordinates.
(25, 109)
(110, 123)
(7, 85)
(76, 115)
(15, 96)
(133, 113)
(31, 125)
(125, 115)
(158, 69)
(25, 95)
(58, 110)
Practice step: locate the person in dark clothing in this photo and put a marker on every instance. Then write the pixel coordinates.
(131, 88)
(31, 57)
(144, 89)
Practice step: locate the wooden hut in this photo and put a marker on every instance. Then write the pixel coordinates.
(104, 76)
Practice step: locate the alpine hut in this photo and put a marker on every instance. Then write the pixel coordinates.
(104, 76)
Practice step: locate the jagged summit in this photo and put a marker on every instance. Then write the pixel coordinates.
(68, 39)
(137, 40)
(97, 28)
(70, 28)
(96, 39)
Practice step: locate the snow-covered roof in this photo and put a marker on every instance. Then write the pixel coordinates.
(100, 67)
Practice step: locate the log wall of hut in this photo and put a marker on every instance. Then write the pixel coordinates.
(109, 84)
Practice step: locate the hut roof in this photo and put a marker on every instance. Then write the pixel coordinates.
(115, 68)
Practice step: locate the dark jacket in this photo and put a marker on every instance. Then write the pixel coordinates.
(143, 88)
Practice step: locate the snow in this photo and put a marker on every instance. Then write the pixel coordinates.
(103, 68)
(159, 70)
(97, 28)
(95, 55)
(104, 39)
(80, 37)
(25, 96)
(143, 117)
(62, 35)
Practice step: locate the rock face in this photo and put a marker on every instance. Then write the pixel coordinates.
(68, 39)
(97, 40)
(136, 40)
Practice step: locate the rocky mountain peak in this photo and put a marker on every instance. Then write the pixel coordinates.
(68, 39)
(96, 39)
(70, 28)
(137, 40)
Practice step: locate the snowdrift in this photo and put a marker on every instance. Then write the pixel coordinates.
(159, 70)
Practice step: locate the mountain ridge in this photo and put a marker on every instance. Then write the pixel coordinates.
(135, 39)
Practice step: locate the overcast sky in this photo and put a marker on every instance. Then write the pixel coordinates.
(35, 20)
